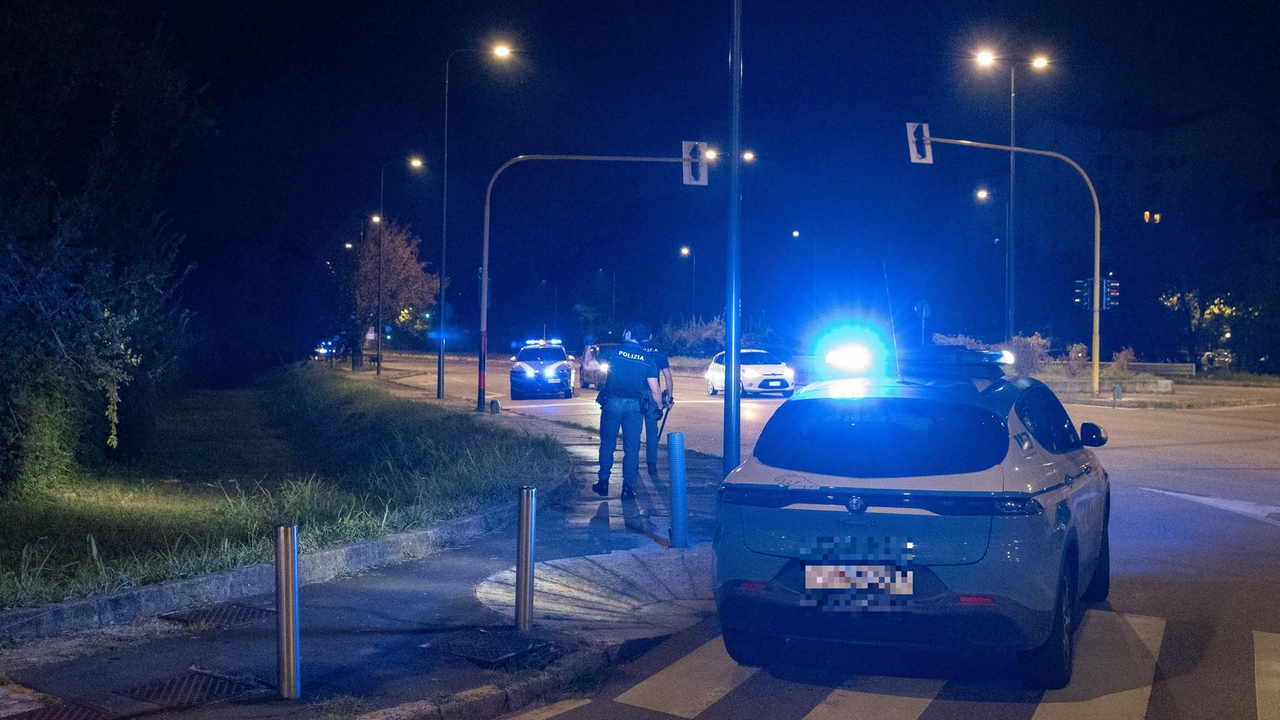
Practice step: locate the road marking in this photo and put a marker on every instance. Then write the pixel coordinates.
(1266, 674)
(691, 684)
(877, 698)
(1115, 667)
(1265, 513)
(550, 711)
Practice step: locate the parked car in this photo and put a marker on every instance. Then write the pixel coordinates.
(542, 367)
(947, 506)
(761, 372)
(595, 377)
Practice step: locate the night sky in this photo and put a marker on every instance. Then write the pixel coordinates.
(307, 100)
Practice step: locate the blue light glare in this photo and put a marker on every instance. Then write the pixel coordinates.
(851, 350)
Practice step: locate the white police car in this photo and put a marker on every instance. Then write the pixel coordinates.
(948, 506)
(542, 367)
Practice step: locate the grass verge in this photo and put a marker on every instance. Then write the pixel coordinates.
(342, 460)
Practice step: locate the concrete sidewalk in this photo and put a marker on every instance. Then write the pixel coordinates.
(394, 641)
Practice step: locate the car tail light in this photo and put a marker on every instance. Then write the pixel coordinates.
(976, 600)
(753, 586)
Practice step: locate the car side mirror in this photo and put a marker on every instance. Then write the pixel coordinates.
(513, 358)
(1092, 436)
(572, 357)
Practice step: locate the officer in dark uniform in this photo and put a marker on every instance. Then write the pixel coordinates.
(651, 437)
(632, 376)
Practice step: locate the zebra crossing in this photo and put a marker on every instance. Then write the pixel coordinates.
(1116, 667)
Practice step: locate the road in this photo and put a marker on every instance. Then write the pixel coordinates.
(1191, 629)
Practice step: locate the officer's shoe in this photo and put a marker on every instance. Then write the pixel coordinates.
(653, 469)
(601, 488)
(628, 493)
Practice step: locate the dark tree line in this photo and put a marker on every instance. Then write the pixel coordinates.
(89, 328)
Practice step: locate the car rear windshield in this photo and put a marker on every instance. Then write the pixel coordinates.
(758, 358)
(882, 437)
(547, 354)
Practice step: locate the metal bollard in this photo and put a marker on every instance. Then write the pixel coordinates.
(679, 495)
(1116, 395)
(524, 558)
(287, 634)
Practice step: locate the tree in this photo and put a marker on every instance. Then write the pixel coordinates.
(88, 120)
(408, 290)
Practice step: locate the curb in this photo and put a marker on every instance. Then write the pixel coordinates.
(490, 701)
(320, 566)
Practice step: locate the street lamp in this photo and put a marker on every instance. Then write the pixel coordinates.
(502, 52)
(986, 58)
(416, 164)
(686, 252)
(982, 195)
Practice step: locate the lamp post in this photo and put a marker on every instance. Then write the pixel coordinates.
(685, 251)
(986, 58)
(500, 51)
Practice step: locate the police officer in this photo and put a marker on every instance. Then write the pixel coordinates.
(651, 436)
(632, 376)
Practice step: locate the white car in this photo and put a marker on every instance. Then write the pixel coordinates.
(943, 507)
(761, 372)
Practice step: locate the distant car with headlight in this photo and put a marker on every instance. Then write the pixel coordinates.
(599, 375)
(762, 372)
(542, 367)
(944, 506)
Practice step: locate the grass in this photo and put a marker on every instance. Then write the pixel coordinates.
(1242, 379)
(1057, 371)
(342, 460)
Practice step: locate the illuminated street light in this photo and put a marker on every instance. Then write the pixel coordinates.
(982, 194)
(415, 163)
(376, 219)
(795, 233)
(710, 154)
(748, 156)
(347, 246)
(502, 52)
(986, 58)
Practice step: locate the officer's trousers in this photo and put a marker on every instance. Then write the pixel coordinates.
(625, 414)
(651, 439)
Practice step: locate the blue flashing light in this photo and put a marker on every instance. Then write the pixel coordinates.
(851, 351)
(1006, 357)
(556, 342)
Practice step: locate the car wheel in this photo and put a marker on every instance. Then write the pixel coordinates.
(585, 384)
(1100, 583)
(568, 392)
(788, 393)
(751, 649)
(1048, 667)
(711, 388)
(517, 394)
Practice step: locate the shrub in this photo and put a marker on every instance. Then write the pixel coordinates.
(1029, 353)
(694, 338)
(1120, 361)
(1077, 358)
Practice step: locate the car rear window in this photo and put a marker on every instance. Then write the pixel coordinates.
(542, 354)
(882, 437)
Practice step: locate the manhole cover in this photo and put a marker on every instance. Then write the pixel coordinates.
(220, 616)
(193, 688)
(491, 647)
(61, 711)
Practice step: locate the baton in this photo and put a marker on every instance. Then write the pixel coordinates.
(665, 411)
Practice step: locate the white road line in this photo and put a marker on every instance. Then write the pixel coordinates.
(691, 684)
(550, 711)
(1265, 513)
(1115, 666)
(1266, 674)
(877, 698)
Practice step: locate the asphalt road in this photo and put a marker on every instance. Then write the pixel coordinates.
(1191, 629)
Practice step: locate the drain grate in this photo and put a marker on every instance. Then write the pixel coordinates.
(491, 647)
(219, 616)
(193, 688)
(61, 711)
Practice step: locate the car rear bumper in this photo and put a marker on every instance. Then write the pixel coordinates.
(938, 621)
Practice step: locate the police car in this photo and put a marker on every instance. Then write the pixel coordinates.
(944, 505)
(542, 367)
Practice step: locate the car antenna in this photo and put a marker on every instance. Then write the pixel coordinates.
(893, 330)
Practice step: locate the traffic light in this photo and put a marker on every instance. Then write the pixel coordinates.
(1084, 294)
(1110, 293)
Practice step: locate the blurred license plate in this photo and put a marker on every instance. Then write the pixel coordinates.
(553, 381)
(876, 578)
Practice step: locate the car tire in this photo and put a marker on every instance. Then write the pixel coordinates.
(517, 394)
(751, 649)
(788, 393)
(1049, 666)
(585, 384)
(568, 392)
(711, 388)
(1100, 584)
